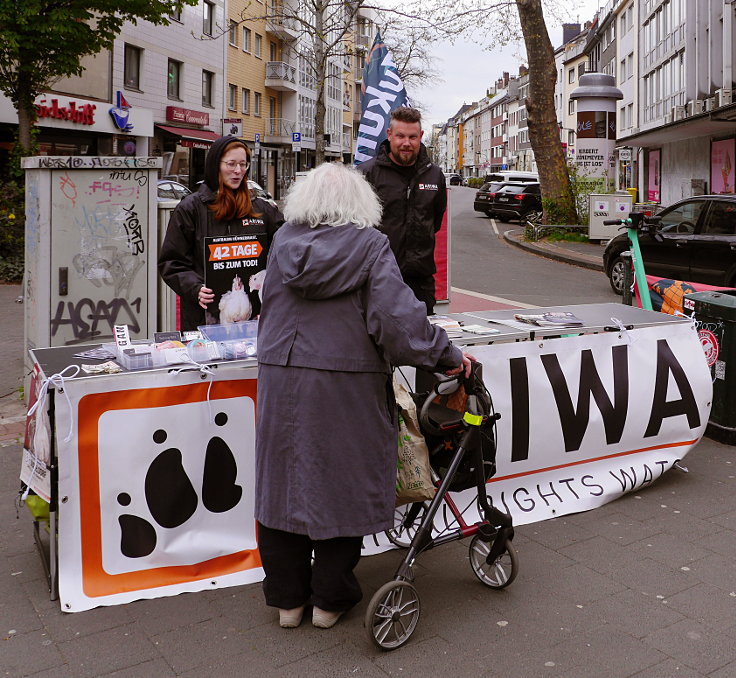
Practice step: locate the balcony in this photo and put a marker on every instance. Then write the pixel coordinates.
(281, 76)
(279, 130)
(283, 27)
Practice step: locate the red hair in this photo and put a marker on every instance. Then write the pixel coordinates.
(230, 204)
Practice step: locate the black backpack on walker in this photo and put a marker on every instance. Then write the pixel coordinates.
(446, 412)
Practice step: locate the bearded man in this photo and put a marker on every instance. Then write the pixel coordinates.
(413, 193)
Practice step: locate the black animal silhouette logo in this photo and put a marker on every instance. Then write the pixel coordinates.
(171, 496)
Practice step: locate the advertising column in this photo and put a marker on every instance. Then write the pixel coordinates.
(596, 130)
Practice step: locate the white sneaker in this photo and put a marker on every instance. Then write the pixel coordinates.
(323, 619)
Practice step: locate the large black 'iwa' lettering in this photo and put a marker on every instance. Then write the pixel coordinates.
(661, 408)
(574, 421)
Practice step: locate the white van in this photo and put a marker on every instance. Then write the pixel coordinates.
(511, 176)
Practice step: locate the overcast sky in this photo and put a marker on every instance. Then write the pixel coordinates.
(467, 70)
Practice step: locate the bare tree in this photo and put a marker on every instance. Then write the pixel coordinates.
(497, 23)
(324, 34)
(544, 133)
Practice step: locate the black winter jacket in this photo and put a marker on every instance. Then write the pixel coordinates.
(181, 258)
(413, 206)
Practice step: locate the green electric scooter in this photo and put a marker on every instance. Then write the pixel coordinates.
(636, 223)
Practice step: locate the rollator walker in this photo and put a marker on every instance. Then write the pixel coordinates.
(462, 445)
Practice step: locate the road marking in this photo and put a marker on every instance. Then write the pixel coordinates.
(494, 227)
(498, 300)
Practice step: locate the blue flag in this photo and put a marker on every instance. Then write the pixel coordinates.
(381, 92)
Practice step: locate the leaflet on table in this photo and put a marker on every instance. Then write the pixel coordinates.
(480, 329)
(234, 266)
(450, 325)
(550, 319)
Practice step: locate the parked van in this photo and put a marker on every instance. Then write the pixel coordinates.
(510, 176)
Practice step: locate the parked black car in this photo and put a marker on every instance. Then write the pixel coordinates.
(696, 242)
(484, 197)
(453, 179)
(516, 201)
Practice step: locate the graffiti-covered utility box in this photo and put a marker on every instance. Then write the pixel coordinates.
(90, 248)
(715, 317)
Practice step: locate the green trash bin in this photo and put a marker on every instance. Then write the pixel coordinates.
(715, 317)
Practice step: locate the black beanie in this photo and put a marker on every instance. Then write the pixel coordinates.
(212, 162)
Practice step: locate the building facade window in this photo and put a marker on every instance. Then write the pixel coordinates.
(571, 75)
(272, 107)
(173, 80)
(132, 66)
(307, 113)
(258, 46)
(245, 100)
(208, 18)
(233, 33)
(232, 97)
(208, 82)
(273, 51)
(571, 106)
(175, 14)
(257, 103)
(246, 39)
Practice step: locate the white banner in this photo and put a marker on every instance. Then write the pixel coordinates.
(586, 419)
(156, 485)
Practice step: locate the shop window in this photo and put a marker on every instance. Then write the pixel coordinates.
(173, 81)
(132, 66)
(208, 18)
(208, 80)
(257, 103)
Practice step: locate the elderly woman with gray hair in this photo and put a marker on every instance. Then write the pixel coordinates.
(336, 316)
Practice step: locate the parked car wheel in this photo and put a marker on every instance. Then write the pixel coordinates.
(490, 214)
(617, 273)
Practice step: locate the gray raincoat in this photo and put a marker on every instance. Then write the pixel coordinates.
(336, 316)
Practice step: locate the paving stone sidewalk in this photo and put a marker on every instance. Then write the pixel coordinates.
(643, 587)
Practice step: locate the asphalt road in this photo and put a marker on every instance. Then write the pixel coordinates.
(483, 262)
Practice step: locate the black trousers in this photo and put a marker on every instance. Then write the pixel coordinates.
(423, 289)
(292, 580)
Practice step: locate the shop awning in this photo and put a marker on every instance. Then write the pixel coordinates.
(194, 138)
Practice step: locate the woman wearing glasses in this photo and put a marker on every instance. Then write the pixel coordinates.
(222, 206)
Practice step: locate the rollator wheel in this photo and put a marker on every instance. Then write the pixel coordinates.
(502, 571)
(392, 614)
(399, 535)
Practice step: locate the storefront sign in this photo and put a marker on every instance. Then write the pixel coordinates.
(82, 115)
(120, 114)
(232, 127)
(191, 143)
(176, 114)
(653, 180)
(722, 162)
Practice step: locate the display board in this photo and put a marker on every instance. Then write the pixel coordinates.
(156, 480)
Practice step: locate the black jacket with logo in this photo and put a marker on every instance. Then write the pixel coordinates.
(181, 258)
(413, 206)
